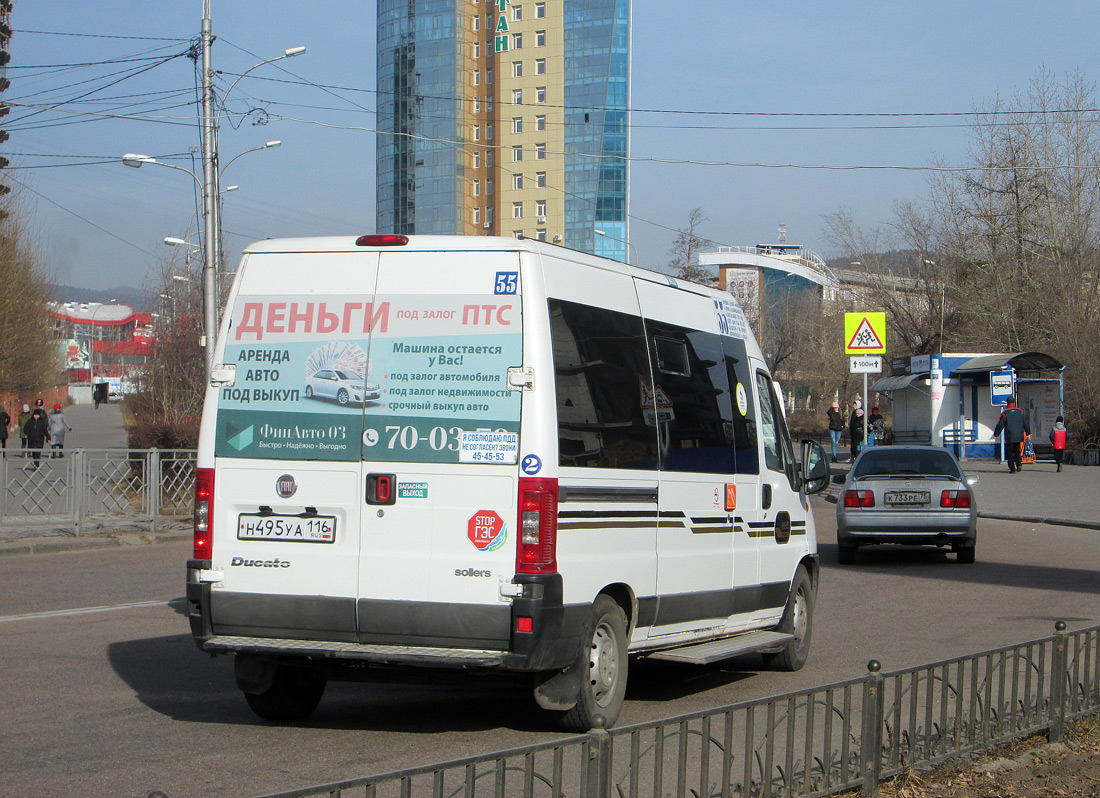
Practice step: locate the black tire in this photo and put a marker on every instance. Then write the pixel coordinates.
(309, 392)
(601, 667)
(293, 695)
(965, 555)
(797, 620)
(846, 555)
(342, 396)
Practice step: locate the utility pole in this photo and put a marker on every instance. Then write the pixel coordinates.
(212, 245)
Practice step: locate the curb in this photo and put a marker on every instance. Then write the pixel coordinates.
(52, 545)
(1031, 519)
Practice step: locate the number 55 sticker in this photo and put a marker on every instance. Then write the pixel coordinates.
(506, 283)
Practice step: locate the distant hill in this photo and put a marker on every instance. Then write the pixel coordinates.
(127, 295)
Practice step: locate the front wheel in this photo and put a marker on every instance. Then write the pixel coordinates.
(798, 621)
(293, 695)
(601, 666)
(342, 397)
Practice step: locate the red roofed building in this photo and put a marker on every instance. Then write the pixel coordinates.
(113, 341)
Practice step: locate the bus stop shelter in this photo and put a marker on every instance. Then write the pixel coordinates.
(954, 400)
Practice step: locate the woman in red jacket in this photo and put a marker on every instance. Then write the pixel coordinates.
(1058, 440)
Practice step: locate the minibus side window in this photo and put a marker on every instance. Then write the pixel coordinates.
(601, 368)
(778, 453)
(744, 409)
(692, 400)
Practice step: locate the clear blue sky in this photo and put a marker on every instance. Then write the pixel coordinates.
(101, 224)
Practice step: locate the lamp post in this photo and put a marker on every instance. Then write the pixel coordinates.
(212, 248)
(621, 241)
(211, 115)
(91, 348)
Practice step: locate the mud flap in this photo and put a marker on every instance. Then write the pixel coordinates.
(560, 692)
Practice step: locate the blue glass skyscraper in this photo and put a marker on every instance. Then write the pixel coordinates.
(508, 117)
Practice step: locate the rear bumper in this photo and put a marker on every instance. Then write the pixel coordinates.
(907, 528)
(389, 633)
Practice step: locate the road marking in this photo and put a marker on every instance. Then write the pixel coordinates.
(87, 610)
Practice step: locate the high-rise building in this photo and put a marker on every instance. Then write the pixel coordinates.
(506, 117)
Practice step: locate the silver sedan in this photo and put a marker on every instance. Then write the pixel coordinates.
(912, 495)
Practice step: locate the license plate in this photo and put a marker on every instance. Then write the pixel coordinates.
(291, 528)
(907, 497)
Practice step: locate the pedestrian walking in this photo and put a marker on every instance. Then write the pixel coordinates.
(37, 431)
(24, 417)
(1058, 440)
(855, 429)
(836, 426)
(876, 427)
(5, 422)
(1015, 426)
(58, 427)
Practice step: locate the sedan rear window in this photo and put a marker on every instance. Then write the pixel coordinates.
(887, 461)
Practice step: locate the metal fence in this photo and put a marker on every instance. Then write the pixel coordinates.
(810, 743)
(93, 486)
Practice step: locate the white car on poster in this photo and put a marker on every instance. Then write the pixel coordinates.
(343, 386)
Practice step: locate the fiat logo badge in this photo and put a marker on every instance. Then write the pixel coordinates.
(285, 486)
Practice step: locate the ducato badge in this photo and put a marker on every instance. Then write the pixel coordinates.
(286, 486)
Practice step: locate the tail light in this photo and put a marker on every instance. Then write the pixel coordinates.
(955, 498)
(204, 512)
(537, 552)
(859, 498)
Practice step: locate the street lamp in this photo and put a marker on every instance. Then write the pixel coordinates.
(212, 249)
(91, 346)
(621, 241)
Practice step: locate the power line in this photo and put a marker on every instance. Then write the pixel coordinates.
(100, 35)
(83, 219)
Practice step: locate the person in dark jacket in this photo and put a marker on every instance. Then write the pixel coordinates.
(37, 431)
(5, 422)
(836, 426)
(855, 429)
(1015, 426)
(1058, 440)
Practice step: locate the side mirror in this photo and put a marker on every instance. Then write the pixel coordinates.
(815, 468)
(971, 479)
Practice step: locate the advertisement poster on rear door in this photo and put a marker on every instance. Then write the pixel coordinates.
(399, 378)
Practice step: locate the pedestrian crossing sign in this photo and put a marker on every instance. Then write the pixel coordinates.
(865, 333)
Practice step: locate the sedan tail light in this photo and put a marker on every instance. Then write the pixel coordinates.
(859, 498)
(955, 498)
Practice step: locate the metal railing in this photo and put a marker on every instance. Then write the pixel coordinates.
(80, 487)
(809, 743)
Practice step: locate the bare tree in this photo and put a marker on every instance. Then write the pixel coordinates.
(1024, 229)
(169, 405)
(28, 361)
(685, 249)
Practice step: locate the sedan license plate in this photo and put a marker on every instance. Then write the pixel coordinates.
(292, 528)
(907, 497)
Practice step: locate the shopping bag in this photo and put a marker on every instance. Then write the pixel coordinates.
(1028, 455)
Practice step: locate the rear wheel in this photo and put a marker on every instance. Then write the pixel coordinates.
(309, 392)
(965, 554)
(798, 621)
(601, 666)
(846, 555)
(293, 695)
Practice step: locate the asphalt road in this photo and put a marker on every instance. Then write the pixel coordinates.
(103, 692)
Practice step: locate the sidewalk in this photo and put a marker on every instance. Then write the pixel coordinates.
(1037, 495)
